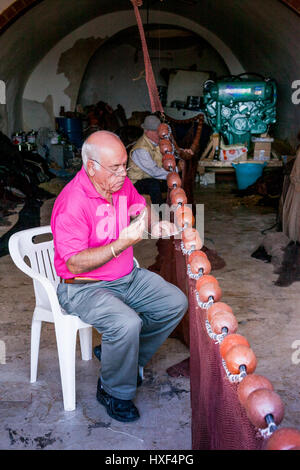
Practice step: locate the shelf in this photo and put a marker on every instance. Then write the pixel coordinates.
(218, 164)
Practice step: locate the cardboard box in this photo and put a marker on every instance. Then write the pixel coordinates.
(262, 148)
(233, 154)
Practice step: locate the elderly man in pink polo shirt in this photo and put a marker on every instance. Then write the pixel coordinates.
(134, 309)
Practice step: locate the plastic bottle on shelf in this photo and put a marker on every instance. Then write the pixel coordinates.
(216, 154)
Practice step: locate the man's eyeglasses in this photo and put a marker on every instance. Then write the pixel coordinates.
(117, 173)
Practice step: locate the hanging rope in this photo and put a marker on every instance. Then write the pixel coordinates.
(156, 105)
(150, 79)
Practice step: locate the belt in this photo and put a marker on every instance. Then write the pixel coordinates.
(79, 280)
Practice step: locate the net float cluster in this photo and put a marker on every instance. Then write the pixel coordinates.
(256, 394)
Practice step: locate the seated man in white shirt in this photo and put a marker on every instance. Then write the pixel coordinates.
(145, 162)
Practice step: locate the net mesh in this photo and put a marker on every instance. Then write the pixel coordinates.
(219, 422)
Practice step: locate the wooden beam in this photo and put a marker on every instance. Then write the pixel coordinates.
(14, 11)
(293, 4)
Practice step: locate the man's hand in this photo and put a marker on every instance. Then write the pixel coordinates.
(133, 233)
(189, 151)
(93, 258)
(163, 229)
(138, 3)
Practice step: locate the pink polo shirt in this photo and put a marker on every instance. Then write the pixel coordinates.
(82, 219)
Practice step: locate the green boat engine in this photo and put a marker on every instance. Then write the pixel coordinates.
(238, 108)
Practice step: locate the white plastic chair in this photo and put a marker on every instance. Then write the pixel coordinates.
(48, 309)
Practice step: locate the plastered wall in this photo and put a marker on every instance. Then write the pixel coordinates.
(60, 78)
(249, 35)
(115, 73)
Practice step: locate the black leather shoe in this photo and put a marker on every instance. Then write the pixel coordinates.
(121, 410)
(139, 380)
(97, 352)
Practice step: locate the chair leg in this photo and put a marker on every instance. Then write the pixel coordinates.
(66, 346)
(85, 335)
(35, 346)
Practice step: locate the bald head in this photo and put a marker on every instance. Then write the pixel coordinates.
(104, 158)
(100, 146)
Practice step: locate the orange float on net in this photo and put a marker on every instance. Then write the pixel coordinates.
(205, 279)
(184, 217)
(224, 322)
(284, 439)
(191, 239)
(239, 359)
(168, 156)
(210, 291)
(199, 263)
(230, 341)
(208, 288)
(197, 253)
(264, 408)
(169, 162)
(217, 307)
(164, 131)
(251, 383)
(178, 196)
(165, 146)
(173, 180)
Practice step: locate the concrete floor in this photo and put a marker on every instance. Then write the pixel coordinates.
(32, 416)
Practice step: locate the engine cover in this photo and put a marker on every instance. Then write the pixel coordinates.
(237, 108)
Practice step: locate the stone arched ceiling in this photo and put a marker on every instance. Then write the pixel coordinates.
(264, 36)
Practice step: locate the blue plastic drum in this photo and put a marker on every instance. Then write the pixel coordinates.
(72, 129)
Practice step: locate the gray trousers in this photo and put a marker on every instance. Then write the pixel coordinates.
(135, 314)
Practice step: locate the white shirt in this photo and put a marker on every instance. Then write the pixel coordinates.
(143, 160)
